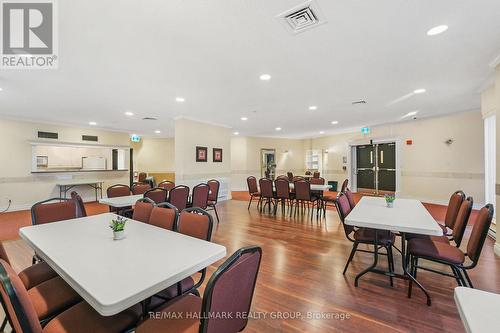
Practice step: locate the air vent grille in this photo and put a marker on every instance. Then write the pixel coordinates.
(149, 118)
(302, 17)
(93, 138)
(48, 135)
(359, 102)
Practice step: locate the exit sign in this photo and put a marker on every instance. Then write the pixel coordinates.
(365, 130)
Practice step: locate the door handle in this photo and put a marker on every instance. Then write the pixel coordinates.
(371, 157)
(381, 157)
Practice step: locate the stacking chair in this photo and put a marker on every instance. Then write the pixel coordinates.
(198, 223)
(308, 173)
(350, 197)
(456, 200)
(167, 184)
(266, 193)
(157, 194)
(178, 196)
(140, 188)
(23, 308)
(200, 196)
(316, 174)
(165, 216)
(283, 196)
(229, 291)
(82, 212)
(304, 196)
(366, 236)
(142, 177)
(344, 185)
(118, 190)
(213, 196)
(142, 210)
(290, 176)
(253, 190)
(452, 256)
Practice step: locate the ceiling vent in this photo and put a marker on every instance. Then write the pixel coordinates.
(149, 118)
(302, 17)
(359, 102)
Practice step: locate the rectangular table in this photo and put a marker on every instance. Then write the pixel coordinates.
(66, 185)
(114, 275)
(407, 216)
(478, 310)
(120, 202)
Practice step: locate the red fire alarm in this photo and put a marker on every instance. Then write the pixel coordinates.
(409, 142)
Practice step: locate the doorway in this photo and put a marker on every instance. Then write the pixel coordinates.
(268, 163)
(375, 168)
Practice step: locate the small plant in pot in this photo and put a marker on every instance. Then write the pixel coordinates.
(118, 227)
(389, 200)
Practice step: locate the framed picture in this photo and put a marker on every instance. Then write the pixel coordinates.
(201, 154)
(217, 154)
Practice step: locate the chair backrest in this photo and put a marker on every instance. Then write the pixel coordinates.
(178, 196)
(282, 188)
(317, 181)
(167, 184)
(316, 174)
(142, 177)
(456, 200)
(82, 212)
(479, 233)
(266, 188)
(16, 301)
(350, 197)
(140, 188)
(462, 220)
(59, 210)
(308, 173)
(157, 194)
(142, 210)
(164, 216)
(200, 196)
(230, 290)
(118, 190)
(267, 174)
(343, 209)
(252, 185)
(297, 178)
(282, 177)
(302, 190)
(214, 190)
(290, 176)
(195, 222)
(344, 185)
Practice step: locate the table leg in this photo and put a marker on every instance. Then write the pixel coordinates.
(405, 268)
(375, 259)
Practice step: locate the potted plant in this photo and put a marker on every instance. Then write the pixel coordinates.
(118, 227)
(389, 200)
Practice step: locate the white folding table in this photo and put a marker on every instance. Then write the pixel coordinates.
(120, 202)
(114, 275)
(478, 310)
(407, 216)
(66, 185)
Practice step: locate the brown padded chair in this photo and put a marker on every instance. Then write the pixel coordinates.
(253, 190)
(213, 196)
(200, 196)
(450, 255)
(229, 291)
(178, 196)
(316, 174)
(82, 212)
(140, 188)
(303, 195)
(80, 318)
(118, 190)
(47, 211)
(283, 196)
(350, 197)
(290, 176)
(364, 235)
(142, 177)
(198, 223)
(157, 194)
(164, 216)
(266, 193)
(142, 210)
(456, 200)
(167, 184)
(344, 185)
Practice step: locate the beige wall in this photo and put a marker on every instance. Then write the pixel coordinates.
(246, 157)
(154, 155)
(497, 111)
(188, 135)
(24, 188)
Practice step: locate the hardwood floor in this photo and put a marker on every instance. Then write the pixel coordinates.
(301, 272)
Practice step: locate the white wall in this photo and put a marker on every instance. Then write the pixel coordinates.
(154, 155)
(24, 188)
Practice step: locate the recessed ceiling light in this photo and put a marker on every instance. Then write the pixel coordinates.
(244, 118)
(321, 132)
(1, 89)
(419, 91)
(157, 131)
(236, 133)
(412, 113)
(335, 122)
(437, 30)
(92, 123)
(179, 99)
(128, 113)
(313, 107)
(278, 128)
(265, 77)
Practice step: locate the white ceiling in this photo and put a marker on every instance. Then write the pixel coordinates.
(139, 55)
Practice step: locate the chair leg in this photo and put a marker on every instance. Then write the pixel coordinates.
(353, 251)
(4, 323)
(390, 263)
(250, 202)
(412, 271)
(467, 277)
(216, 214)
